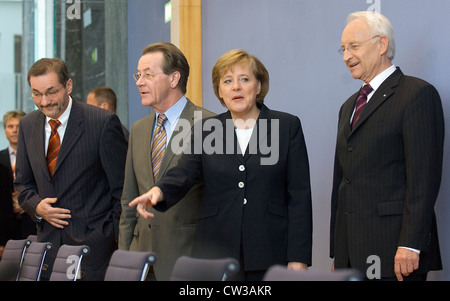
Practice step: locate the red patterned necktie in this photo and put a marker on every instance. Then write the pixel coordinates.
(361, 102)
(54, 144)
(159, 144)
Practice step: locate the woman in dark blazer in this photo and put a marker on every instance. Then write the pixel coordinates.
(257, 197)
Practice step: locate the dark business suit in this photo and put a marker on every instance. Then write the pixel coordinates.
(387, 176)
(6, 206)
(23, 225)
(5, 160)
(170, 234)
(260, 209)
(88, 181)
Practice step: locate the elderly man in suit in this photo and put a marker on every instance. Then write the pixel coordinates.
(70, 177)
(161, 77)
(388, 161)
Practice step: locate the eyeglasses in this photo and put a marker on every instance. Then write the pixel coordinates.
(52, 93)
(354, 46)
(146, 76)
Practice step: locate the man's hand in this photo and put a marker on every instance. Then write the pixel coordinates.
(53, 215)
(406, 262)
(16, 207)
(298, 266)
(147, 200)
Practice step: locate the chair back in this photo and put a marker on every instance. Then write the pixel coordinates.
(67, 263)
(33, 261)
(12, 259)
(188, 268)
(282, 273)
(32, 238)
(129, 265)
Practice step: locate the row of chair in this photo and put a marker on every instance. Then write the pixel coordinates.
(23, 261)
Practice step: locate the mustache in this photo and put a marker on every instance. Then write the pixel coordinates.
(49, 106)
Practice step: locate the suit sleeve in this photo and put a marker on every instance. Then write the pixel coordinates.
(128, 218)
(113, 150)
(25, 181)
(299, 192)
(423, 134)
(337, 178)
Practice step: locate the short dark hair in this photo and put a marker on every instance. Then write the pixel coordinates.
(46, 65)
(105, 94)
(174, 60)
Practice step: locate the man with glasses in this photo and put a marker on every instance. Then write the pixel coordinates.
(69, 169)
(162, 75)
(388, 161)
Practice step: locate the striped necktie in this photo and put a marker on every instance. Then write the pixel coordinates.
(159, 144)
(361, 102)
(53, 146)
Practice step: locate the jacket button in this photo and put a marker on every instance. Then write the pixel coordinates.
(245, 201)
(241, 167)
(348, 180)
(241, 184)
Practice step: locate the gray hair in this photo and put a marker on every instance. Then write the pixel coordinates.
(379, 24)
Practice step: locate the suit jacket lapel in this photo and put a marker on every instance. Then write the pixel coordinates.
(39, 142)
(186, 114)
(228, 129)
(381, 95)
(259, 135)
(346, 114)
(147, 144)
(73, 132)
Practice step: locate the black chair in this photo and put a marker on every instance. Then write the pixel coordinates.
(33, 261)
(199, 269)
(282, 273)
(12, 259)
(67, 263)
(129, 265)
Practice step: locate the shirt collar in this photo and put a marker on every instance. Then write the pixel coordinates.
(11, 150)
(380, 78)
(174, 112)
